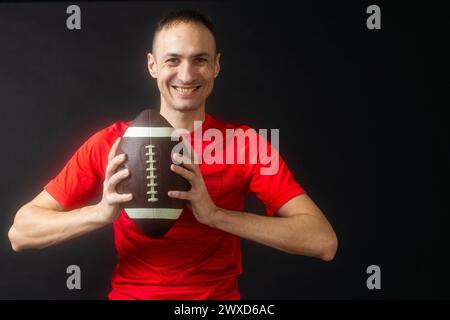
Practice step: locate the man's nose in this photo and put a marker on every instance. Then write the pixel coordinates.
(186, 72)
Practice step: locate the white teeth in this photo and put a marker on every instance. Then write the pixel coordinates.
(185, 90)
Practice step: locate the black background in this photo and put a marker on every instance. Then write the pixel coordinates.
(361, 115)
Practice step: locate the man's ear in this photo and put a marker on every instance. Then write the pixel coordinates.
(217, 66)
(151, 65)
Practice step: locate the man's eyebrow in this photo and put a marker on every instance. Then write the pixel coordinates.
(202, 54)
(176, 55)
(171, 55)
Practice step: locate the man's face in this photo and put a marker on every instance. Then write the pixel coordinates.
(184, 62)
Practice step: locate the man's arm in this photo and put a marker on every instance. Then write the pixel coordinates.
(301, 227)
(43, 222)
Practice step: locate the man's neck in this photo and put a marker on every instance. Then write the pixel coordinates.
(182, 119)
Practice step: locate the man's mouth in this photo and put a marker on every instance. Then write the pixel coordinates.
(186, 90)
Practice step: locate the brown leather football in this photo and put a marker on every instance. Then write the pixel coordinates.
(148, 146)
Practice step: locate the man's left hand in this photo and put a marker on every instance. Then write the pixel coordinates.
(199, 201)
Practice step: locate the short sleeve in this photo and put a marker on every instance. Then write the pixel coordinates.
(272, 182)
(81, 179)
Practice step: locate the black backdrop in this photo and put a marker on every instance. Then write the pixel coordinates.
(360, 112)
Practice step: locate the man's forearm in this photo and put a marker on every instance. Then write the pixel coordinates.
(302, 234)
(36, 227)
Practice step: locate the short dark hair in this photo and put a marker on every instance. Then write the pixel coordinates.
(183, 16)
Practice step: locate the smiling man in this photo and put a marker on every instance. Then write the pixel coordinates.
(185, 63)
(200, 257)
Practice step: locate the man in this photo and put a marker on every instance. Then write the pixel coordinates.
(200, 257)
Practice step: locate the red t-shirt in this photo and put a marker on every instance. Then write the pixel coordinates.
(192, 261)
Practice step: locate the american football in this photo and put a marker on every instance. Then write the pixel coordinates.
(148, 147)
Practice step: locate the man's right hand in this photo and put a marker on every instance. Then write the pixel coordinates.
(109, 206)
(43, 222)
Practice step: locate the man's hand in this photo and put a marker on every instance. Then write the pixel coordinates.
(43, 222)
(199, 201)
(301, 228)
(109, 206)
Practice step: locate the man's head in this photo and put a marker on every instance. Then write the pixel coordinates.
(184, 60)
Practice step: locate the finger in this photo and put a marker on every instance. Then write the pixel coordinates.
(184, 161)
(116, 178)
(183, 195)
(112, 166)
(188, 175)
(189, 152)
(192, 156)
(112, 152)
(115, 198)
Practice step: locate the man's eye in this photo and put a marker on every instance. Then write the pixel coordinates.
(200, 60)
(172, 61)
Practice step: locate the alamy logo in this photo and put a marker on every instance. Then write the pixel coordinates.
(374, 20)
(234, 146)
(74, 280)
(374, 280)
(74, 20)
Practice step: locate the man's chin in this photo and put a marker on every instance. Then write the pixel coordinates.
(184, 107)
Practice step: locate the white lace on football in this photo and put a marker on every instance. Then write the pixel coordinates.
(151, 171)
